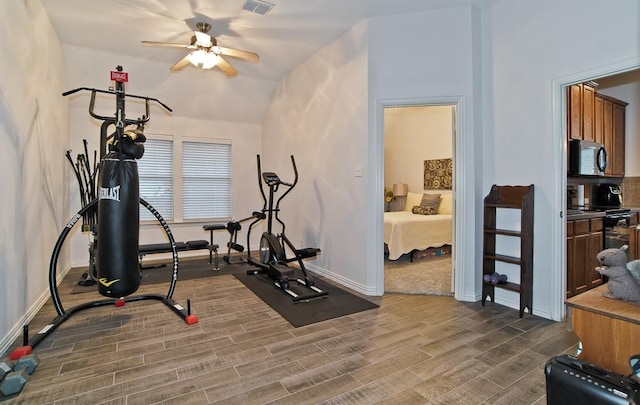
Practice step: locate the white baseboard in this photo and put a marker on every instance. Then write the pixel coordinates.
(371, 291)
(16, 331)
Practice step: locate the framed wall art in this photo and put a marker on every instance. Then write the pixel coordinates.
(438, 174)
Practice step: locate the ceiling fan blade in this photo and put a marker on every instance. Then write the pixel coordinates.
(168, 45)
(180, 64)
(226, 68)
(237, 53)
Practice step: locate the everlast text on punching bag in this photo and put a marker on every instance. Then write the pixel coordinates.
(118, 210)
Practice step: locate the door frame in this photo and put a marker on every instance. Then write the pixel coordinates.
(459, 270)
(559, 253)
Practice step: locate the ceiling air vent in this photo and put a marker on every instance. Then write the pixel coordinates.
(257, 6)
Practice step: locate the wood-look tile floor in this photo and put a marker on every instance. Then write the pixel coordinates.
(411, 350)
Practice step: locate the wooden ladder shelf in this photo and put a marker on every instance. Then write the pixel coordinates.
(516, 198)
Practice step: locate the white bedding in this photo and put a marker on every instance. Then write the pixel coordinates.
(405, 231)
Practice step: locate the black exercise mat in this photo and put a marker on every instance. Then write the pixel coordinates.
(188, 269)
(338, 303)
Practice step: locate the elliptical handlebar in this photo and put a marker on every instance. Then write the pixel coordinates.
(290, 185)
(279, 181)
(264, 197)
(273, 181)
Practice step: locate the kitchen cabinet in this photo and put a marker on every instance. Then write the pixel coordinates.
(609, 129)
(581, 111)
(607, 329)
(598, 120)
(592, 116)
(585, 239)
(617, 154)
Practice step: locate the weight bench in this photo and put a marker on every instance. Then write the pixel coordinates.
(233, 227)
(155, 248)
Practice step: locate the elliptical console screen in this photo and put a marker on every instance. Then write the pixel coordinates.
(271, 178)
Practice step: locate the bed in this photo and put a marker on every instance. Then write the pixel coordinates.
(406, 232)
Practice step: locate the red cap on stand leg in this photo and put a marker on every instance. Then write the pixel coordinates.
(191, 319)
(20, 351)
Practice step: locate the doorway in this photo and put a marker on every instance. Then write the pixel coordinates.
(623, 80)
(418, 168)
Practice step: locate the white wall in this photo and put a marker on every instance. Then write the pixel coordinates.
(534, 44)
(34, 134)
(320, 120)
(507, 131)
(319, 114)
(411, 136)
(244, 137)
(427, 56)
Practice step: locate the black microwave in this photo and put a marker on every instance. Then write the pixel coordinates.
(587, 158)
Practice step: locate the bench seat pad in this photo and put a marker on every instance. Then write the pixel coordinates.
(166, 247)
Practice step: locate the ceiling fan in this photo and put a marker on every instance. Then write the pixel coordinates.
(206, 53)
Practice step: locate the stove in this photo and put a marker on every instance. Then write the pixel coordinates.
(617, 222)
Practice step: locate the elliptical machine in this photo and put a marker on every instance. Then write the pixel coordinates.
(273, 260)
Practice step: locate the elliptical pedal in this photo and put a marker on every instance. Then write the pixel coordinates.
(280, 271)
(306, 253)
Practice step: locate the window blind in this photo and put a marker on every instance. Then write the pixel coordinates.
(155, 171)
(206, 180)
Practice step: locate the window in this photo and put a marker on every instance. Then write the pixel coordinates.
(155, 171)
(186, 180)
(206, 180)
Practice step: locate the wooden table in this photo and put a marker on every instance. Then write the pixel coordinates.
(609, 329)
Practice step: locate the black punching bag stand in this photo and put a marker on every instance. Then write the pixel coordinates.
(118, 271)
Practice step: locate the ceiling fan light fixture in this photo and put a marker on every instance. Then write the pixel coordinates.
(210, 60)
(197, 57)
(205, 52)
(206, 60)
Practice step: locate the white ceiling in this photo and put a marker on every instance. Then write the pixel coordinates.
(290, 33)
(285, 37)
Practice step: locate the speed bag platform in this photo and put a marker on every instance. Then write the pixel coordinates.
(118, 227)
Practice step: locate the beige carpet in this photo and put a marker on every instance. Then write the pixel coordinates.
(427, 276)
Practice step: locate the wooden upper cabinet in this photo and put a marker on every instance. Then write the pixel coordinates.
(574, 111)
(607, 132)
(617, 158)
(588, 112)
(595, 117)
(581, 101)
(612, 124)
(598, 119)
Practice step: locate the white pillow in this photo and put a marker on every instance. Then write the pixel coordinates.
(413, 199)
(446, 204)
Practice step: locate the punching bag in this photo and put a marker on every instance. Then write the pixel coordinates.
(118, 226)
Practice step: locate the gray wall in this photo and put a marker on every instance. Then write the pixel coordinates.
(34, 134)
